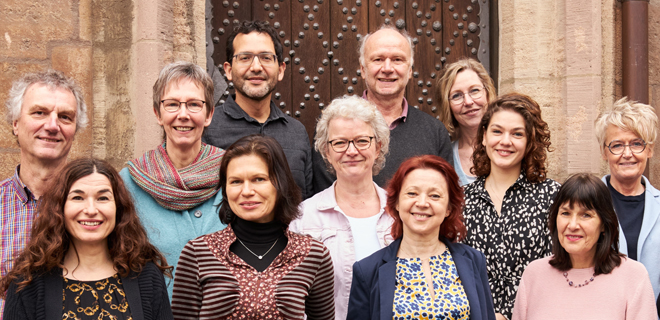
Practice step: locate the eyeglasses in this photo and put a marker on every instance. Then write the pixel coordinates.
(360, 143)
(459, 97)
(636, 146)
(265, 58)
(172, 105)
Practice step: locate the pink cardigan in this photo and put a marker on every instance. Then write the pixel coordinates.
(625, 293)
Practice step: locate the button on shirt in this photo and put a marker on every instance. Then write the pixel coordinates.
(19, 209)
(322, 219)
(512, 239)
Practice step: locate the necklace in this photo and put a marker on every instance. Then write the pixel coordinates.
(586, 282)
(256, 255)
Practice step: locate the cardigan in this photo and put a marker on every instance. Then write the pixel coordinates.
(417, 134)
(649, 236)
(214, 283)
(374, 282)
(170, 230)
(624, 293)
(230, 123)
(324, 221)
(42, 298)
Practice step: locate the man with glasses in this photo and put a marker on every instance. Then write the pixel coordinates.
(626, 133)
(386, 60)
(255, 65)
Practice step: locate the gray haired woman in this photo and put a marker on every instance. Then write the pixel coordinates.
(349, 217)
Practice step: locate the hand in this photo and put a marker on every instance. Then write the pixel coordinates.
(499, 316)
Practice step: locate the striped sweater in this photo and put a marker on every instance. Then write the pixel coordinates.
(212, 282)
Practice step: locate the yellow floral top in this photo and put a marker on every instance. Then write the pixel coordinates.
(98, 300)
(412, 299)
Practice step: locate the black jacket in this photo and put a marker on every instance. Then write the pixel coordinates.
(42, 298)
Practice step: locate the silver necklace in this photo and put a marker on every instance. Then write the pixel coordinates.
(256, 255)
(586, 282)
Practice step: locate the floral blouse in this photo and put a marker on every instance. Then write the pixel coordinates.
(101, 299)
(513, 239)
(412, 299)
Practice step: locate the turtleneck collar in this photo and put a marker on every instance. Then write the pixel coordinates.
(257, 233)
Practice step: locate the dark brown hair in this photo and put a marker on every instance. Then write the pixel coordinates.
(452, 227)
(591, 193)
(270, 151)
(536, 130)
(130, 249)
(247, 27)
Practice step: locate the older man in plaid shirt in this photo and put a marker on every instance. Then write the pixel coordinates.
(45, 110)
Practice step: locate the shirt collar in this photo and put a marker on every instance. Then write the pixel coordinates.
(404, 112)
(235, 111)
(24, 193)
(328, 198)
(521, 183)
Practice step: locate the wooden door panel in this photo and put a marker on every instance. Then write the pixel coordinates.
(320, 39)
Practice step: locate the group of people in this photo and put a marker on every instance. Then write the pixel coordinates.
(393, 215)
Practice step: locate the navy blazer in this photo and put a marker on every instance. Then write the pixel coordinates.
(374, 282)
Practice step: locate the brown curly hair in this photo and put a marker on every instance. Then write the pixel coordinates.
(130, 249)
(537, 131)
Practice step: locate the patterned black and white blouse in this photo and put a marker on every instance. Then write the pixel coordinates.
(513, 239)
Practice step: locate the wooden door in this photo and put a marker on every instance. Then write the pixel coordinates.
(321, 38)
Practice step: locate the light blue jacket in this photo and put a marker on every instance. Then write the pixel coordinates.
(648, 244)
(170, 230)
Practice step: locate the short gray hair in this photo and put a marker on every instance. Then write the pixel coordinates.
(54, 79)
(402, 32)
(628, 115)
(353, 107)
(175, 72)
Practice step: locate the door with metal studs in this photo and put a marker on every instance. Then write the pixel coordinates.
(321, 38)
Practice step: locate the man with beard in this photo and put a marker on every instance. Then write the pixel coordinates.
(255, 65)
(386, 61)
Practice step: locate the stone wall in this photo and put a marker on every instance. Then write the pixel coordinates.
(114, 49)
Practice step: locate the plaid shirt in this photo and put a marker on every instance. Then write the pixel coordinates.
(18, 208)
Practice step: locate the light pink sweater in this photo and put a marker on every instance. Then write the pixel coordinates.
(625, 293)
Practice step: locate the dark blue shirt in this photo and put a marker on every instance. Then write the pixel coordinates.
(630, 211)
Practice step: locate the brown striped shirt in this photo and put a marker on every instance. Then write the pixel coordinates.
(212, 282)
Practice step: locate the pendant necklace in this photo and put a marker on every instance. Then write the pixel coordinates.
(256, 255)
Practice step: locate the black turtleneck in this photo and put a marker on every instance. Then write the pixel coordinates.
(258, 237)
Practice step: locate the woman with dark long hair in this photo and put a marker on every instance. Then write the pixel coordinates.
(586, 257)
(255, 268)
(88, 254)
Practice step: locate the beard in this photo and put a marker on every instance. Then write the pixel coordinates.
(255, 93)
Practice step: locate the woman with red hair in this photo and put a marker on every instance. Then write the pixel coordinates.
(424, 273)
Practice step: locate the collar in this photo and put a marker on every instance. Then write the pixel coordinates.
(521, 183)
(328, 198)
(225, 237)
(23, 192)
(393, 249)
(404, 112)
(232, 109)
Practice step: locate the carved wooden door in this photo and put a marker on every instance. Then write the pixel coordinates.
(321, 37)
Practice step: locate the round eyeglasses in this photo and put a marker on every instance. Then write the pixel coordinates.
(617, 147)
(172, 105)
(459, 97)
(360, 143)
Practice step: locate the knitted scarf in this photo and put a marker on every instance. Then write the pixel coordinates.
(180, 189)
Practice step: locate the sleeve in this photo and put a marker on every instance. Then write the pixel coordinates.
(520, 306)
(187, 292)
(640, 304)
(309, 174)
(444, 144)
(487, 298)
(553, 189)
(358, 301)
(322, 178)
(160, 301)
(320, 303)
(14, 309)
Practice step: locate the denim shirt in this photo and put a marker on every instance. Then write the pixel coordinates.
(322, 219)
